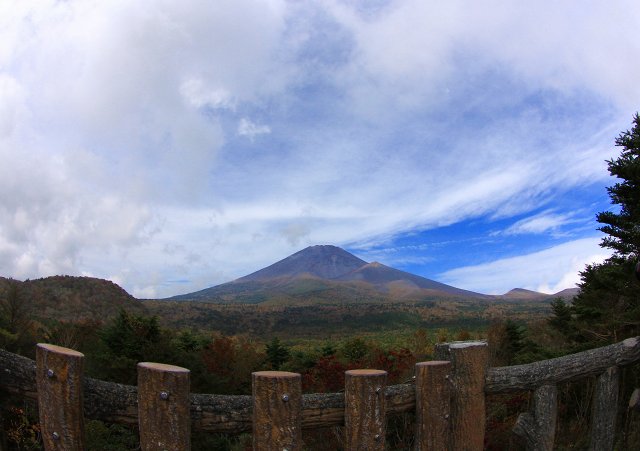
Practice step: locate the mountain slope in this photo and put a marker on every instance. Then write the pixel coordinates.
(326, 274)
(529, 295)
(72, 298)
(325, 262)
(521, 293)
(384, 278)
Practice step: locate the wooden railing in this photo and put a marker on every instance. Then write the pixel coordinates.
(447, 396)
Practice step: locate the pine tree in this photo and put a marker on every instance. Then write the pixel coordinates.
(608, 306)
(277, 353)
(623, 228)
(561, 318)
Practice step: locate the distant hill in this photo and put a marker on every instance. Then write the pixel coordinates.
(528, 295)
(521, 293)
(326, 274)
(72, 298)
(567, 293)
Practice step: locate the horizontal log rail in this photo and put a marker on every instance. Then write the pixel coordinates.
(117, 403)
(562, 369)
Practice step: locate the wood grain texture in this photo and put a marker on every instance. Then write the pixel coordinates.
(433, 392)
(277, 411)
(562, 369)
(59, 373)
(605, 410)
(365, 413)
(537, 428)
(163, 407)
(469, 364)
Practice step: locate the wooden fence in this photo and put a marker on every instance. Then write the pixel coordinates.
(447, 396)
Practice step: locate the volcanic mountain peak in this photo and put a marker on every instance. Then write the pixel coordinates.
(323, 261)
(333, 270)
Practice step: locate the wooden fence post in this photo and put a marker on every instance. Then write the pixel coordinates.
(538, 427)
(277, 411)
(469, 361)
(59, 383)
(163, 407)
(605, 410)
(433, 394)
(364, 417)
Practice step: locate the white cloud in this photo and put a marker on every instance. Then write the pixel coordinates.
(548, 45)
(548, 271)
(250, 129)
(194, 91)
(540, 223)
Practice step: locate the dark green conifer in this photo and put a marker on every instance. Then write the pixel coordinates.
(277, 353)
(608, 306)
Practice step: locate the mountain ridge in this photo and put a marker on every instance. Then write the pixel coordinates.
(71, 298)
(326, 273)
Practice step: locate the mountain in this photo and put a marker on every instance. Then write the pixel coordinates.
(521, 293)
(72, 298)
(324, 262)
(567, 293)
(387, 279)
(326, 274)
(529, 295)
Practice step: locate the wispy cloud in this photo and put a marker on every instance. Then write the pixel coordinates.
(540, 223)
(250, 129)
(548, 271)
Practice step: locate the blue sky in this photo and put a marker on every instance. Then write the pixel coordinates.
(172, 146)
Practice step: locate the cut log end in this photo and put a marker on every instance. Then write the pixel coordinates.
(365, 373)
(59, 350)
(152, 366)
(275, 374)
(466, 344)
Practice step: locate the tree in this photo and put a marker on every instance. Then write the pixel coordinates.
(14, 308)
(608, 305)
(561, 318)
(219, 356)
(277, 353)
(623, 228)
(16, 334)
(132, 336)
(127, 340)
(355, 350)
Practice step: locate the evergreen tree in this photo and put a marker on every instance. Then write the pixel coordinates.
(277, 353)
(561, 318)
(608, 306)
(623, 228)
(127, 340)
